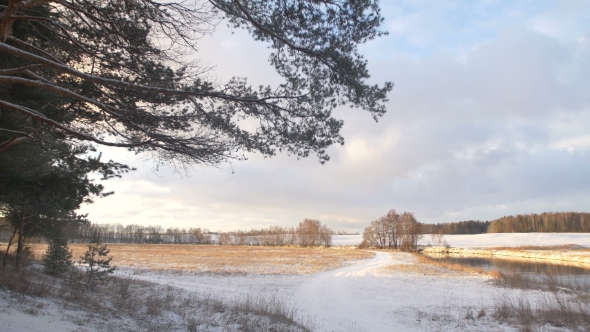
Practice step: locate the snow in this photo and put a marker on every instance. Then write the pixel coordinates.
(389, 292)
(514, 239)
(370, 295)
(18, 314)
(489, 239)
(14, 321)
(346, 240)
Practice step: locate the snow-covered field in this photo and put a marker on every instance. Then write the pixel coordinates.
(388, 292)
(490, 240)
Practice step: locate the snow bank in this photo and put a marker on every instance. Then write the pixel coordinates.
(489, 240)
(512, 240)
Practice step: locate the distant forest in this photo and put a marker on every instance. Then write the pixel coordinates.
(547, 222)
(460, 227)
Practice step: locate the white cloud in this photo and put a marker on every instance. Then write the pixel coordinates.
(574, 143)
(482, 124)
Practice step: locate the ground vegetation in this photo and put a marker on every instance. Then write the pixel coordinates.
(237, 260)
(128, 304)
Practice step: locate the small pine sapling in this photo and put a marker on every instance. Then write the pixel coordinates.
(58, 257)
(96, 259)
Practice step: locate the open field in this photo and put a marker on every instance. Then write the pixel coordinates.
(332, 289)
(224, 259)
(391, 291)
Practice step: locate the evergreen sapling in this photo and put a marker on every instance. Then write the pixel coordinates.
(58, 257)
(98, 264)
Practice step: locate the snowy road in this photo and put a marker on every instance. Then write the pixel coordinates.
(379, 294)
(331, 297)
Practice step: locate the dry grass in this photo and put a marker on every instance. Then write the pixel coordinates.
(125, 304)
(568, 247)
(432, 267)
(224, 259)
(416, 269)
(569, 312)
(450, 266)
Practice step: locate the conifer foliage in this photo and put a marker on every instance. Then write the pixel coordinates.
(58, 257)
(117, 74)
(98, 264)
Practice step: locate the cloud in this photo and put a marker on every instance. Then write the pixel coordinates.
(573, 144)
(489, 116)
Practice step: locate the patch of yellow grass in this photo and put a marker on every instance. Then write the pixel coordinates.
(415, 269)
(567, 247)
(223, 259)
(449, 266)
(422, 266)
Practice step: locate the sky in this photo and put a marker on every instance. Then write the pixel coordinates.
(489, 116)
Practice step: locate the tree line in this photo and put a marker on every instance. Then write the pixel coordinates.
(309, 233)
(460, 227)
(548, 222)
(138, 234)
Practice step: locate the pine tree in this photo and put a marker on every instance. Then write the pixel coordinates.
(112, 82)
(99, 266)
(58, 257)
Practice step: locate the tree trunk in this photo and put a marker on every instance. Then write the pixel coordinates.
(8, 248)
(21, 240)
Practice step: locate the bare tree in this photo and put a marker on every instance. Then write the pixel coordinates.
(393, 231)
(375, 235)
(410, 232)
(312, 233)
